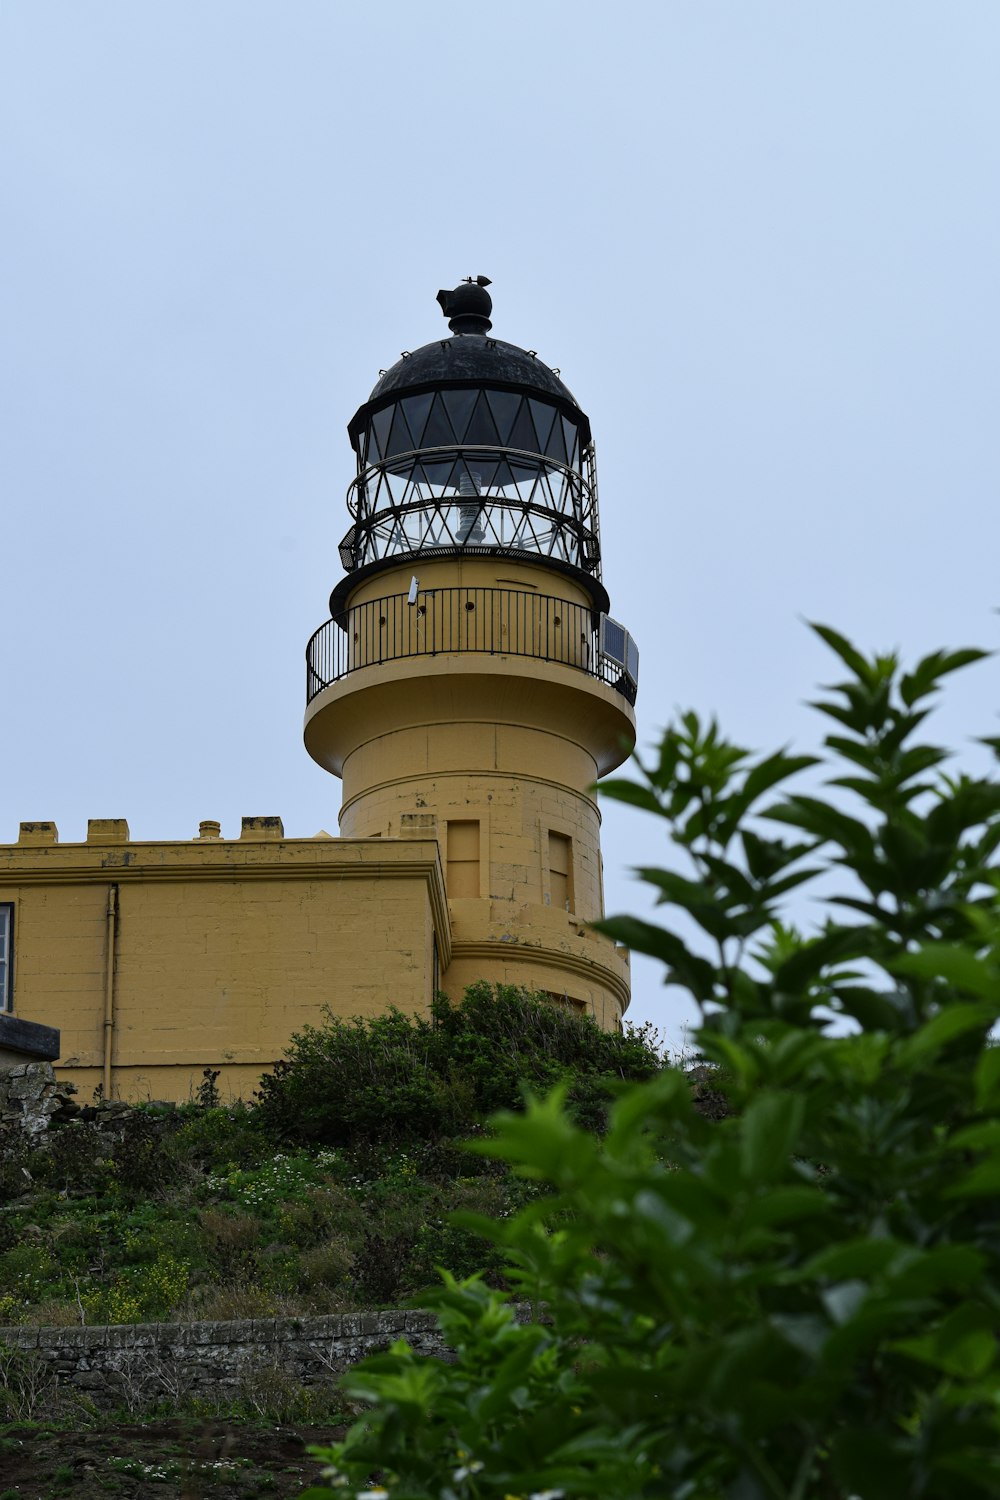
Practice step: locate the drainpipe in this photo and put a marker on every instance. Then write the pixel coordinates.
(109, 986)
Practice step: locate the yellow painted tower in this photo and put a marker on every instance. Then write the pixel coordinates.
(470, 686)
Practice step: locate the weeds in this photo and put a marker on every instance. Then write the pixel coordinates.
(26, 1382)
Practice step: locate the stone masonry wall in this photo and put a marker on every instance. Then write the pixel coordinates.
(30, 1096)
(157, 1360)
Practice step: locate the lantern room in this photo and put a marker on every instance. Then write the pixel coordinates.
(471, 446)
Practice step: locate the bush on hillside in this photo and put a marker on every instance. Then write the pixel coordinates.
(405, 1078)
(798, 1300)
(132, 1213)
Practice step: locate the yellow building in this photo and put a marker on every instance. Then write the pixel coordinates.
(469, 688)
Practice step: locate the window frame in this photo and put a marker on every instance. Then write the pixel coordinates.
(453, 864)
(567, 840)
(6, 957)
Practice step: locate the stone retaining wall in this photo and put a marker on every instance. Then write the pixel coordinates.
(30, 1096)
(150, 1361)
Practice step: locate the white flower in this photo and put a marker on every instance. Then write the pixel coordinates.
(547, 1495)
(372, 1495)
(466, 1470)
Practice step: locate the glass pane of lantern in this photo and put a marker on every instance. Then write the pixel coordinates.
(459, 405)
(482, 428)
(400, 440)
(522, 434)
(485, 468)
(504, 407)
(556, 446)
(428, 477)
(543, 416)
(416, 408)
(503, 477)
(523, 476)
(570, 433)
(438, 433)
(380, 430)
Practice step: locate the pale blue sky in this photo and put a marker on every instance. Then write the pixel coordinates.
(760, 240)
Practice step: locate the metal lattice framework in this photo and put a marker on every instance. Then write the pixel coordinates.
(473, 470)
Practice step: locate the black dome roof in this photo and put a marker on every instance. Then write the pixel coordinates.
(473, 359)
(470, 358)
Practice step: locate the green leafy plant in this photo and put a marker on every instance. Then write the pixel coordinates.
(142, 1293)
(403, 1078)
(207, 1093)
(798, 1298)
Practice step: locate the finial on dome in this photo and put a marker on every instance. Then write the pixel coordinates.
(468, 307)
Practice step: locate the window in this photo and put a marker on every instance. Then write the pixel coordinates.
(6, 954)
(568, 1002)
(463, 859)
(560, 870)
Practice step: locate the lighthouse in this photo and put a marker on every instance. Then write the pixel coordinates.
(470, 686)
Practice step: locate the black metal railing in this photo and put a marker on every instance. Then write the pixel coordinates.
(471, 497)
(499, 622)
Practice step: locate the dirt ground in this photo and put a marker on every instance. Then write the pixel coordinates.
(164, 1459)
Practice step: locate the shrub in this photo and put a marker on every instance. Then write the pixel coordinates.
(231, 1242)
(25, 1271)
(15, 1174)
(398, 1078)
(322, 1211)
(327, 1265)
(142, 1160)
(271, 1394)
(798, 1299)
(223, 1303)
(74, 1157)
(140, 1294)
(366, 1079)
(380, 1265)
(212, 1140)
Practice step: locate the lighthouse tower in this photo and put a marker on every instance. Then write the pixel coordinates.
(470, 685)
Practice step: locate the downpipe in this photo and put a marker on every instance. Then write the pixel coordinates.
(111, 919)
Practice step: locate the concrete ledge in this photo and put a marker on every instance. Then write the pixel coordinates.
(22, 1041)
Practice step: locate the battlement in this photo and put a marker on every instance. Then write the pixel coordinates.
(116, 831)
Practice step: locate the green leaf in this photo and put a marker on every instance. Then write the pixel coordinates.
(876, 1010)
(987, 1079)
(770, 1128)
(827, 823)
(705, 904)
(849, 655)
(959, 1346)
(984, 1136)
(765, 857)
(927, 674)
(981, 1181)
(857, 1258)
(953, 963)
(634, 795)
(787, 1205)
(768, 773)
(813, 957)
(954, 1021)
(685, 967)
